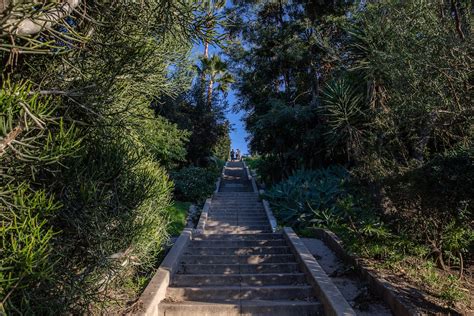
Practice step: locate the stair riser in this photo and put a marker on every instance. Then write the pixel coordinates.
(258, 227)
(218, 217)
(238, 251)
(206, 294)
(237, 259)
(237, 207)
(244, 308)
(222, 224)
(230, 280)
(208, 310)
(239, 237)
(237, 228)
(238, 269)
(237, 202)
(235, 222)
(240, 212)
(236, 215)
(236, 243)
(236, 231)
(289, 310)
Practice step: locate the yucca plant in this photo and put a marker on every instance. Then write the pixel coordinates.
(343, 112)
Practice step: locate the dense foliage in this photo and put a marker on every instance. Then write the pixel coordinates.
(194, 183)
(84, 184)
(382, 88)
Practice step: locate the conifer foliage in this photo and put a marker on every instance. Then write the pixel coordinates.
(84, 160)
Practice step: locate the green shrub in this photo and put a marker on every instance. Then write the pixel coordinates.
(178, 212)
(309, 197)
(437, 198)
(323, 198)
(253, 162)
(194, 184)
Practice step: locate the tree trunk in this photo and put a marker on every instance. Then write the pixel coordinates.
(314, 86)
(424, 137)
(206, 49)
(209, 93)
(457, 18)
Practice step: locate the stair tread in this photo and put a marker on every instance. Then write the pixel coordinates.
(246, 302)
(244, 274)
(240, 288)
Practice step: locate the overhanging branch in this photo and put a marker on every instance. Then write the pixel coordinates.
(29, 26)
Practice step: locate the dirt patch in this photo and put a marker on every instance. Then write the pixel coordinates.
(352, 287)
(410, 284)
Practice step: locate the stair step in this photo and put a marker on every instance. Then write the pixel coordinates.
(260, 217)
(236, 231)
(237, 205)
(237, 218)
(238, 251)
(239, 227)
(237, 212)
(264, 236)
(237, 243)
(253, 227)
(236, 222)
(228, 268)
(271, 292)
(247, 308)
(250, 259)
(183, 280)
(209, 308)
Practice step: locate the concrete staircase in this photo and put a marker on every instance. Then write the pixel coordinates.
(237, 265)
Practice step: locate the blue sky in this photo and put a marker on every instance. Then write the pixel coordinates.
(238, 133)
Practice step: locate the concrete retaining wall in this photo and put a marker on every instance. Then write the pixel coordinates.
(155, 292)
(333, 301)
(377, 286)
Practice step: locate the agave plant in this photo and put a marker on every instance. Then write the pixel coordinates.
(309, 197)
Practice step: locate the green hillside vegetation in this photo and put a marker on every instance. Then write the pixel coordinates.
(361, 121)
(113, 122)
(85, 188)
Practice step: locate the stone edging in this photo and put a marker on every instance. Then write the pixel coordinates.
(155, 291)
(203, 218)
(250, 177)
(218, 182)
(377, 285)
(333, 301)
(271, 219)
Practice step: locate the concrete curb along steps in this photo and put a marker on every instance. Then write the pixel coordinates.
(155, 292)
(377, 285)
(250, 177)
(204, 214)
(271, 219)
(333, 301)
(235, 263)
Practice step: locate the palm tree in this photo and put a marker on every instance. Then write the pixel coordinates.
(216, 71)
(211, 7)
